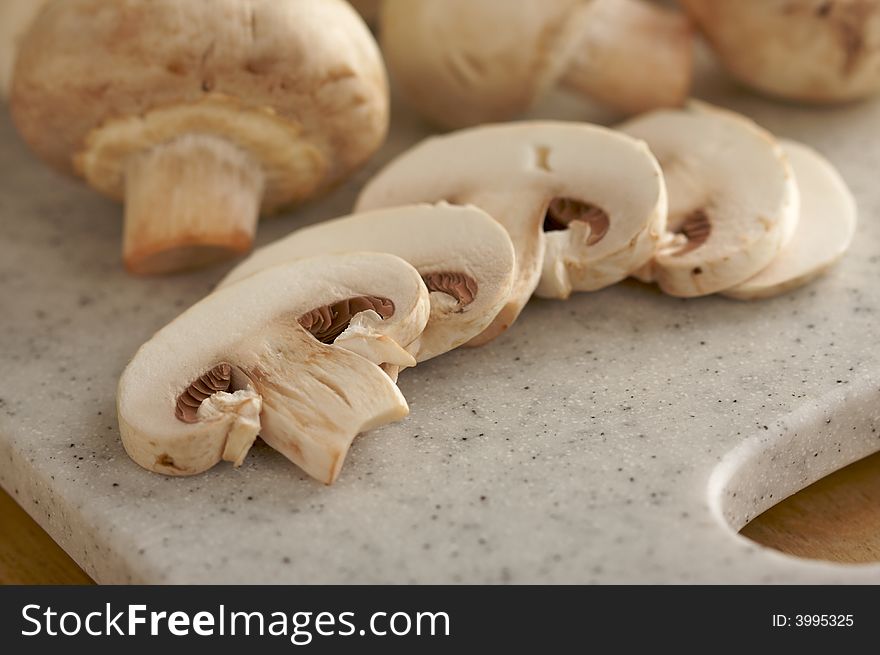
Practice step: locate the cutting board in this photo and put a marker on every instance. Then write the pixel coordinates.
(620, 436)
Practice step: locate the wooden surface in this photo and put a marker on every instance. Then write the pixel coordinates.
(837, 519)
(28, 555)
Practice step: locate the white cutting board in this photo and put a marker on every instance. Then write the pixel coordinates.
(621, 436)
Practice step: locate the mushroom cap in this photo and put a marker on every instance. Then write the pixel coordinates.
(733, 200)
(464, 62)
(824, 231)
(15, 18)
(464, 244)
(806, 50)
(513, 172)
(306, 398)
(298, 84)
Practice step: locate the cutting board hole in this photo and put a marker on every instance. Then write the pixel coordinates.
(835, 519)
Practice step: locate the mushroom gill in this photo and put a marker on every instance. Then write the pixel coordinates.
(214, 381)
(458, 285)
(696, 228)
(328, 322)
(563, 211)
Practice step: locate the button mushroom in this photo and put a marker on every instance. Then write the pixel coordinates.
(464, 62)
(733, 200)
(599, 193)
(807, 50)
(290, 353)
(465, 258)
(200, 114)
(824, 231)
(16, 17)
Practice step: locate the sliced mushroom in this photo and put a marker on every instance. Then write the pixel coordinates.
(824, 231)
(515, 172)
(465, 258)
(808, 50)
(16, 17)
(465, 62)
(200, 114)
(261, 357)
(733, 200)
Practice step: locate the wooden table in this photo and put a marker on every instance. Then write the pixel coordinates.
(837, 518)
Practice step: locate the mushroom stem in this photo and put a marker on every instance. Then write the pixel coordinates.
(310, 412)
(189, 202)
(632, 55)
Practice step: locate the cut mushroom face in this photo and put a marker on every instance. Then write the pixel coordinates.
(465, 258)
(200, 114)
(733, 200)
(466, 62)
(292, 353)
(806, 50)
(605, 189)
(824, 231)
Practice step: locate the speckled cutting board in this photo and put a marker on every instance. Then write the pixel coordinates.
(622, 436)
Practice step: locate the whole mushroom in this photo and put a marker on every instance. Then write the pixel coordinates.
(16, 17)
(819, 51)
(291, 354)
(200, 114)
(584, 205)
(464, 62)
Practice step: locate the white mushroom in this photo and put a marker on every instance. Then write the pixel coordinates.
(465, 258)
(615, 40)
(290, 353)
(824, 231)
(200, 114)
(465, 62)
(733, 200)
(807, 50)
(16, 17)
(599, 193)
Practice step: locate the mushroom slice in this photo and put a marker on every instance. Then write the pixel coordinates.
(200, 115)
(465, 258)
(609, 184)
(824, 231)
(292, 353)
(733, 200)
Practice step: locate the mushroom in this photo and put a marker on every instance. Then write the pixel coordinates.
(733, 200)
(465, 258)
(824, 231)
(807, 50)
(464, 62)
(598, 193)
(16, 17)
(200, 114)
(291, 353)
